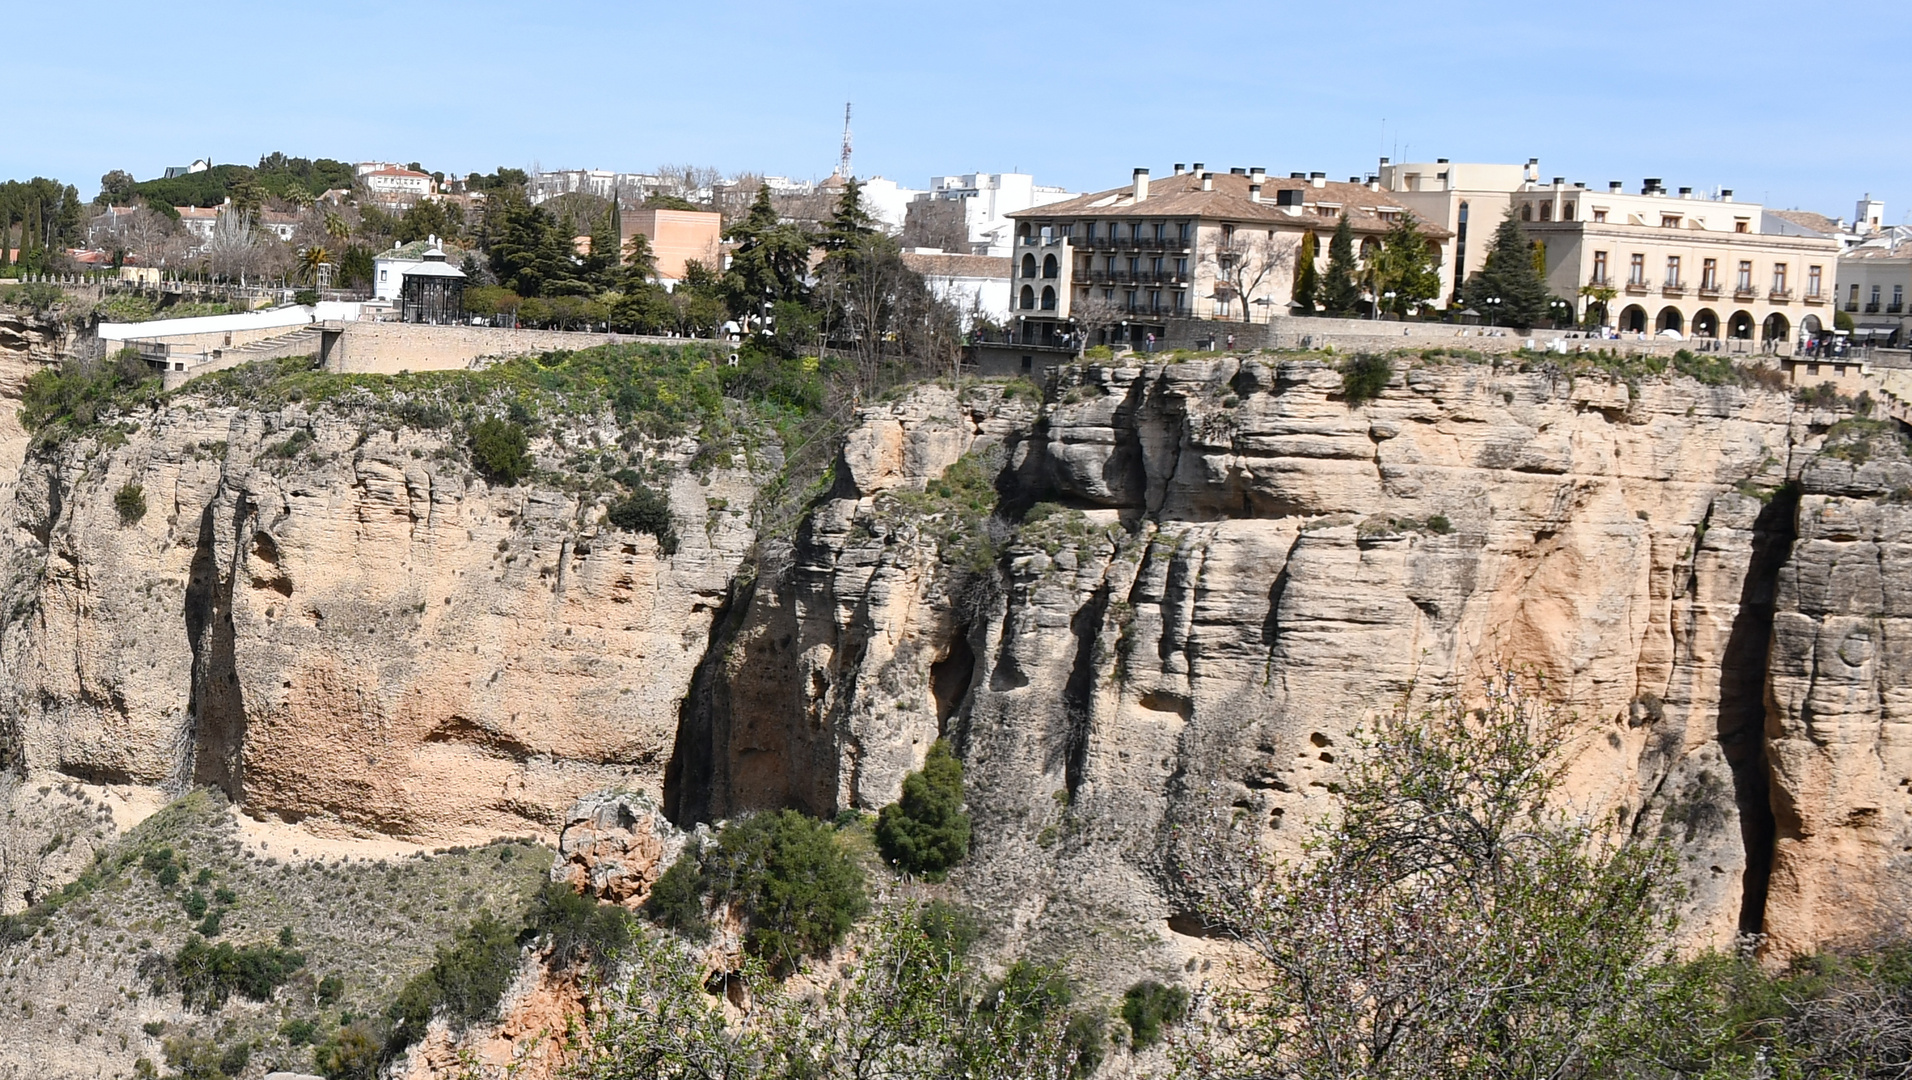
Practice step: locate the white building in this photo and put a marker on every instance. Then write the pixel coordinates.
(390, 266)
(976, 285)
(603, 183)
(887, 201)
(988, 199)
(395, 182)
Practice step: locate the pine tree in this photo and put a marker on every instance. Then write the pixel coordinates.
(926, 831)
(850, 224)
(1307, 281)
(1340, 293)
(1507, 289)
(771, 260)
(1405, 267)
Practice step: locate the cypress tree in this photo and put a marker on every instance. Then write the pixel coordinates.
(1509, 277)
(1340, 294)
(850, 223)
(926, 831)
(1307, 281)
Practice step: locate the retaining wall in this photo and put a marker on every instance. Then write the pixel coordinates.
(389, 348)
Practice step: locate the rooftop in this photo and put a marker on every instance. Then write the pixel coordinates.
(1181, 195)
(950, 264)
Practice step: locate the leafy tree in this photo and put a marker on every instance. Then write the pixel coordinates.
(676, 899)
(1599, 299)
(645, 510)
(1406, 267)
(487, 300)
(351, 1053)
(466, 979)
(800, 891)
(1450, 920)
(1147, 1007)
(116, 188)
(500, 449)
(427, 218)
(926, 831)
(1507, 288)
(1340, 294)
(640, 265)
(1363, 377)
(771, 261)
(529, 254)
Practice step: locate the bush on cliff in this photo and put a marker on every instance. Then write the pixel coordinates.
(1364, 377)
(466, 979)
(76, 394)
(676, 901)
(500, 449)
(645, 510)
(926, 831)
(130, 501)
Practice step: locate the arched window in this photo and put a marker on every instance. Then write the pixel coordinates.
(1049, 268)
(1048, 297)
(1526, 211)
(1028, 266)
(1028, 298)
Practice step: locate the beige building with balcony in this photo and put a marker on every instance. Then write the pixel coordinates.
(1875, 287)
(1704, 267)
(1467, 199)
(1121, 264)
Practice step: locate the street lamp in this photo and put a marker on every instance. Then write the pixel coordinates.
(1379, 303)
(1493, 310)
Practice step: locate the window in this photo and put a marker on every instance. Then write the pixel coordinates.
(1599, 216)
(1599, 267)
(1636, 270)
(1181, 232)
(1815, 277)
(1874, 304)
(1155, 299)
(1180, 301)
(1709, 274)
(1161, 231)
(1028, 265)
(1546, 211)
(1526, 211)
(1028, 298)
(1669, 221)
(1108, 296)
(1228, 233)
(1779, 277)
(1049, 267)
(1088, 230)
(381, 275)
(1745, 281)
(1852, 298)
(1566, 212)
(1155, 265)
(1898, 297)
(1741, 225)
(1672, 271)
(1135, 265)
(1129, 299)
(1048, 298)
(1181, 268)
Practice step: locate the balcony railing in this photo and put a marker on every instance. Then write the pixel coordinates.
(1852, 305)
(1814, 298)
(1673, 288)
(1709, 290)
(1894, 309)
(1745, 292)
(1779, 296)
(1599, 281)
(1872, 308)
(1636, 288)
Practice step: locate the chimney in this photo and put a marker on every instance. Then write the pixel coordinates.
(1297, 176)
(1651, 186)
(1614, 186)
(1254, 192)
(1257, 175)
(1384, 161)
(1141, 184)
(1559, 181)
(1195, 168)
(1318, 179)
(1374, 183)
(1179, 170)
(1238, 172)
(1686, 193)
(1354, 179)
(1208, 181)
(1440, 161)
(1726, 194)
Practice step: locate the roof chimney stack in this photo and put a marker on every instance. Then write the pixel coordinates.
(1614, 186)
(1141, 184)
(1238, 171)
(1257, 175)
(1651, 186)
(1195, 168)
(1686, 193)
(1208, 181)
(1440, 161)
(1318, 179)
(1254, 192)
(1179, 169)
(1726, 194)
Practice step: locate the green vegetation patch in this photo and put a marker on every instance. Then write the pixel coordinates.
(926, 831)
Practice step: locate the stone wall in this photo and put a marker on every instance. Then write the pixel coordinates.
(389, 348)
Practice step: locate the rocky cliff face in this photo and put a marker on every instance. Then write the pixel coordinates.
(1164, 589)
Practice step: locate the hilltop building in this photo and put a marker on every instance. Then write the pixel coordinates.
(676, 237)
(986, 201)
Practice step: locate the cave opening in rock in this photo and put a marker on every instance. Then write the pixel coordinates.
(1742, 699)
(949, 679)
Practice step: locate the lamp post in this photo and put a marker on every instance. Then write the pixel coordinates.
(1493, 310)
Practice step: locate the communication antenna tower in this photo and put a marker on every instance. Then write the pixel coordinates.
(843, 166)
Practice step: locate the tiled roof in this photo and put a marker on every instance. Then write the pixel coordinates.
(1182, 196)
(950, 265)
(1806, 219)
(399, 172)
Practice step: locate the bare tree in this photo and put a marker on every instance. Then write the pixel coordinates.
(234, 249)
(1243, 259)
(691, 182)
(1092, 314)
(936, 223)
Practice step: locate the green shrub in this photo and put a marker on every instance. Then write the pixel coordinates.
(466, 979)
(195, 904)
(1439, 525)
(306, 297)
(168, 876)
(1363, 378)
(578, 928)
(77, 393)
(209, 926)
(130, 501)
(299, 1031)
(800, 891)
(331, 989)
(644, 510)
(926, 831)
(351, 1053)
(953, 927)
(209, 974)
(676, 900)
(293, 445)
(194, 1058)
(500, 449)
(1148, 1006)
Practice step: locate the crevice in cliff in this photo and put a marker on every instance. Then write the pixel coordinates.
(949, 678)
(703, 718)
(213, 747)
(1742, 698)
(1079, 692)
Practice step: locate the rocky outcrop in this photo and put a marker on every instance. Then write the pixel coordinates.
(339, 623)
(1161, 589)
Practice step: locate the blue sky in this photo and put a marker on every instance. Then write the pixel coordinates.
(1796, 105)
